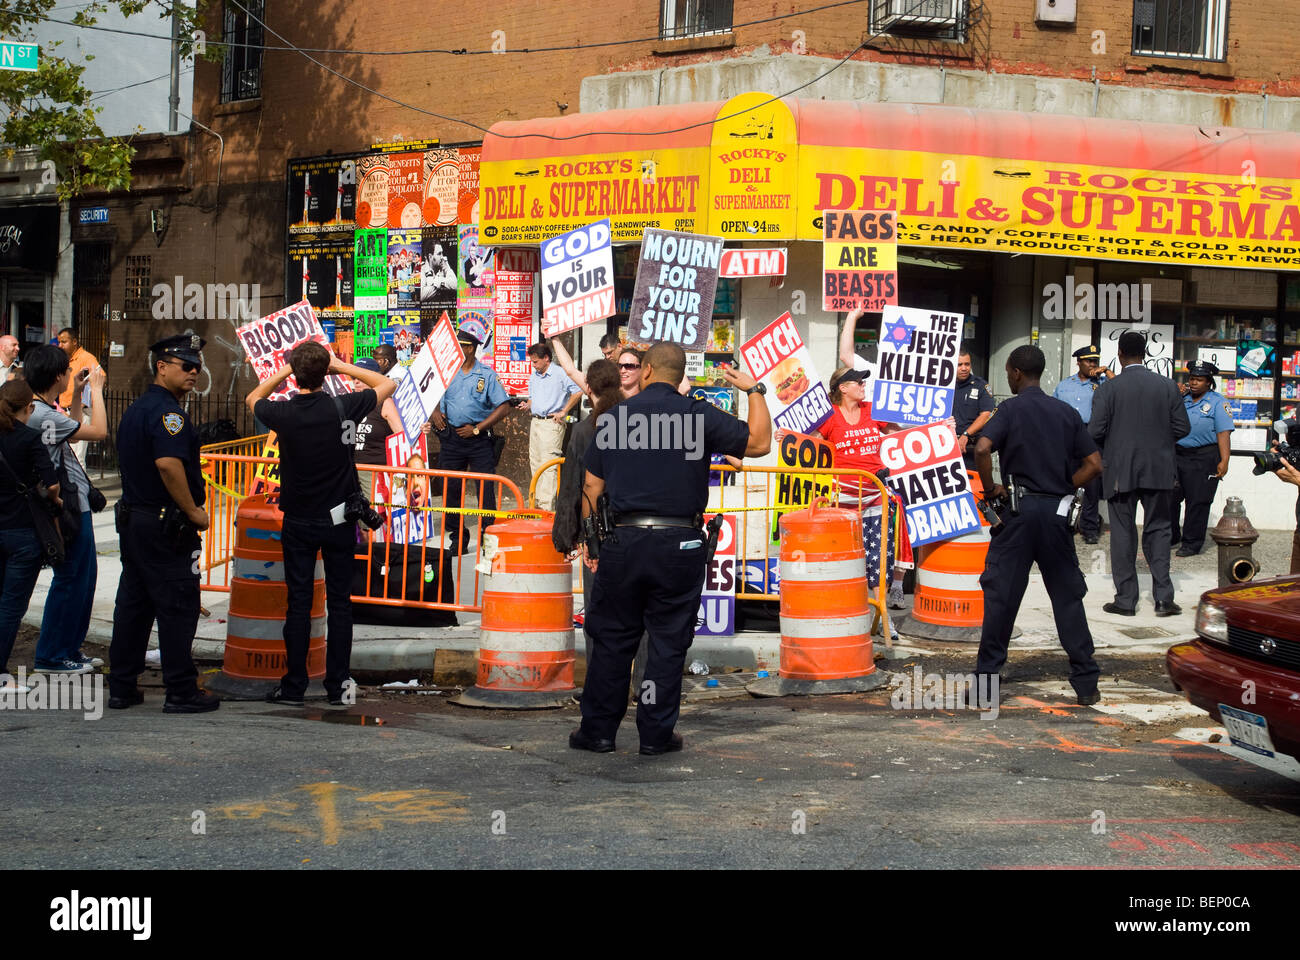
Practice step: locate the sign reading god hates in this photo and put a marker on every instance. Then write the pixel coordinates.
(859, 260)
(795, 491)
(917, 366)
(777, 356)
(577, 278)
(675, 284)
(268, 341)
(927, 473)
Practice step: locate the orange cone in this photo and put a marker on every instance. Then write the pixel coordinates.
(255, 658)
(526, 647)
(825, 614)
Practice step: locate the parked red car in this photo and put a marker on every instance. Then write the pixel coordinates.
(1245, 667)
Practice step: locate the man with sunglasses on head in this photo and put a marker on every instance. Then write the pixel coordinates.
(159, 518)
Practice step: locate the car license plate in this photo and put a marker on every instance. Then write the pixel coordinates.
(1246, 730)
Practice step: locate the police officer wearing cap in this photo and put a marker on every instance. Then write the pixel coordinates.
(1077, 391)
(474, 401)
(650, 455)
(972, 405)
(159, 518)
(1202, 456)
(1038, 438)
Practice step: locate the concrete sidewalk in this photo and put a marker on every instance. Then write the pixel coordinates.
(409, 650)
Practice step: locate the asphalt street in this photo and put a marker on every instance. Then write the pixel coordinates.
(408, 780)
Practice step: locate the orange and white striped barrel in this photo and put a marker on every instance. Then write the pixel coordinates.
(526, 646)
(825, 616)
(255, 656)
(949, 603)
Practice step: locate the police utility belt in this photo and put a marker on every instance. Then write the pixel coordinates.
(176, 528)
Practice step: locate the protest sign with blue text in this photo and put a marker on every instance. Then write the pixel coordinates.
(916, 373)
(927, 473)
(577, 278)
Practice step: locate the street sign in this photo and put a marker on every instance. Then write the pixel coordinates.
(18, 56)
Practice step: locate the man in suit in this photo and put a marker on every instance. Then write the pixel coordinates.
(1136, 419)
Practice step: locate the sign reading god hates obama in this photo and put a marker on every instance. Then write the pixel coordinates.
(927, 473)
(676, 280)
(916, 366)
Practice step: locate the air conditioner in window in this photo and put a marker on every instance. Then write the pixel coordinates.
(922, 13)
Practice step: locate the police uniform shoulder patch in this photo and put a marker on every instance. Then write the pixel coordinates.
(173, 422)
(1227, 407)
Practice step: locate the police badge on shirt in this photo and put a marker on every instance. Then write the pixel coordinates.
(173, 423)
(481, 385)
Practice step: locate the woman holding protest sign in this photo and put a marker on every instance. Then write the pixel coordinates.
(856, 437)
(628, 368)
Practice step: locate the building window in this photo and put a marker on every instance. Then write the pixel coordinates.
(1190, 29)
(693, 18)
(241, 70)
(936, 19)
(139, 287)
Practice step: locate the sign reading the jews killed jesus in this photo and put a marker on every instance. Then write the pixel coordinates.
(777, 356)
(917, 366)
(859, 260)
(268, 341)
(675, 283)
(926, 471)
(577, 278)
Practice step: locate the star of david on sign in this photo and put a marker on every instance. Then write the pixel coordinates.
(897, 333)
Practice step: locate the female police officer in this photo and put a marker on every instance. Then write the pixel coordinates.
(1202, 456)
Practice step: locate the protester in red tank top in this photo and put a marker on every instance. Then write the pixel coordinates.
(855, 435)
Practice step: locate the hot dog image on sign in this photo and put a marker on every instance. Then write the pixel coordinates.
(916, 373)
(778, 357)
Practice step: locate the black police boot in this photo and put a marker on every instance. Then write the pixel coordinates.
(674, 743)
(580, 741)
(196, 702)
(132, 699)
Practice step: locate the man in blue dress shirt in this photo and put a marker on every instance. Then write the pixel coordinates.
(474, 401)
(551, 397)
(1202, 456)
(1077, 391)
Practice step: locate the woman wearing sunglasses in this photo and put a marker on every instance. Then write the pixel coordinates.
(628, 363)
(72, 590)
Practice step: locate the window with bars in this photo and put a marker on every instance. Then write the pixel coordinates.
(693, 18)
(241, 70)
(139, 288)
(1189, 29)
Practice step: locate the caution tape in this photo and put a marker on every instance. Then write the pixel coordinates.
(468, 511)
(220, 489)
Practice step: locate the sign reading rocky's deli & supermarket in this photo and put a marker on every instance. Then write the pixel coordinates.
(761, 170)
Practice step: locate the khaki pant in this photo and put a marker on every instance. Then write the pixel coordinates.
(545, 442)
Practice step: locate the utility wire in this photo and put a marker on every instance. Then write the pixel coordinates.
(462, 52)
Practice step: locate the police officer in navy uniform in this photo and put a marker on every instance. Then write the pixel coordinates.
(1201, 457)
(972, 405)
(474, 401)
(1077, 391)
(650, 454)
(1039, 439)
(159, 518)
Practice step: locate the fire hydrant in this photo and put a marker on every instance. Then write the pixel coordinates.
(1235, 534)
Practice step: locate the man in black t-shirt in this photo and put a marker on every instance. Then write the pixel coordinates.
(315, 433)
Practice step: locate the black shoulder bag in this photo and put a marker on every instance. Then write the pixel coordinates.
(53, 550)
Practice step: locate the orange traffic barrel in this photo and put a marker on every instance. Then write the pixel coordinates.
(825, 614)
(255, 658)
(526, 647)
(949, 602)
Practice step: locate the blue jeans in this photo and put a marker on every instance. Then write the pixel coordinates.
(20, 562)
(72, 594)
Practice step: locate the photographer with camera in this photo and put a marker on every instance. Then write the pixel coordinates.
(322, 501)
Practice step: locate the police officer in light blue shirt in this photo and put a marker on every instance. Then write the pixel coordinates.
(1203, 456)
(1077, 391)
(474, 401)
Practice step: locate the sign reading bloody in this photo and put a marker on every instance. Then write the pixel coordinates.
(859, 260)
(268, 341)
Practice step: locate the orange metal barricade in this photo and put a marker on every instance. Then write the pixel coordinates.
(384, 584)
